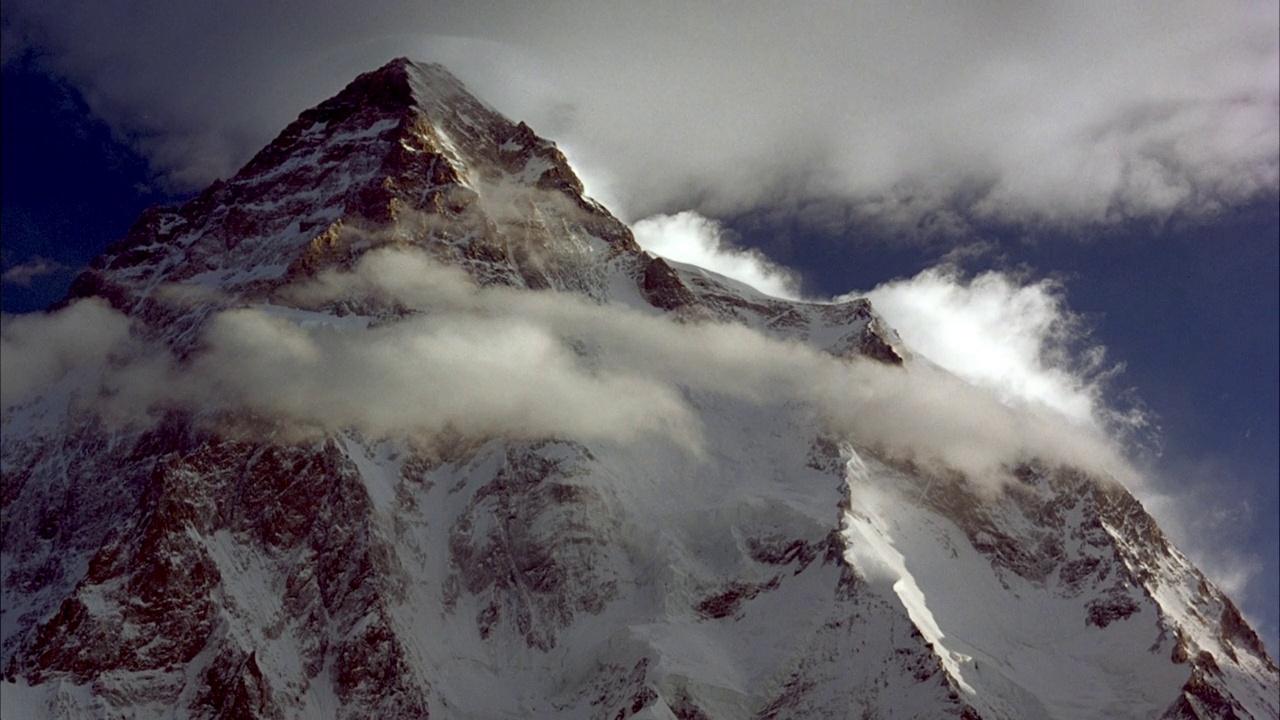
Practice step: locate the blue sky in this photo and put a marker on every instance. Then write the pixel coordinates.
(1129, 156)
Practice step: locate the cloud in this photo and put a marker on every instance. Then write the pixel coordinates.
(41, 349)
(1047, 113)
(688, 237)
(494, 361)
(1016, 338)
(921, 412)
(24, 273)
(426, 375)
(459, 362)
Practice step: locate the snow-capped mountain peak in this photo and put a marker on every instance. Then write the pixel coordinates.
(418, 430)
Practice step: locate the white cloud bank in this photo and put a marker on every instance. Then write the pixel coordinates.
(496, 361)
(1050, 112)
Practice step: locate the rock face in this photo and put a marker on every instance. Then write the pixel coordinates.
(183, 568)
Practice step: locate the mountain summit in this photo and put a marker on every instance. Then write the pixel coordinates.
(399, 148)
(403, 424)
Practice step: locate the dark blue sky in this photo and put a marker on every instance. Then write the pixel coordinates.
(68, 187)
(1191, 306)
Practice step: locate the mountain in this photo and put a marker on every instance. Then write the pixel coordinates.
(404, 425)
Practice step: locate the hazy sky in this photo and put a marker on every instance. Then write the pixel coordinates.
(1100, 179)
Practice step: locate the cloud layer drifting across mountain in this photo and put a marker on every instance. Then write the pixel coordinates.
(1064, 112)
(501, 362)
(846, 115)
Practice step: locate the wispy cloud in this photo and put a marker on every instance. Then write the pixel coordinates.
(26, 273)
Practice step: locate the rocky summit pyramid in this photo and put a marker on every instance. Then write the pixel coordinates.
(244, 512)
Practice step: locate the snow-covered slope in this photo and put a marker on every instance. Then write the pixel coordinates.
(218, 563)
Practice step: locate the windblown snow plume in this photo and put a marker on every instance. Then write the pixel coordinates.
(688, 237)
(1016, 338)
